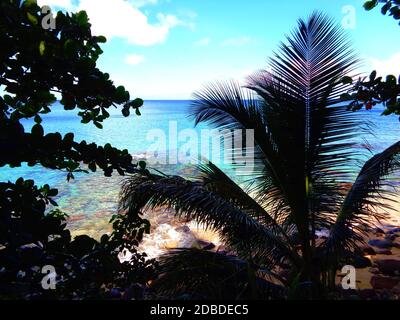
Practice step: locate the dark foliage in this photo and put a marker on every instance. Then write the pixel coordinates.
(204, 275)
(390, 7)
(31, 239)
(35, 65)
(368, 92)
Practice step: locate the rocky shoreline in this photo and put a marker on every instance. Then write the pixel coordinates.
(381, 277)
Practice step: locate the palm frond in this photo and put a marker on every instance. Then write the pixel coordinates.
(369, 198)
(217, 181)
(312, 133)
(198, 274)
(247, 236)
(228, 106)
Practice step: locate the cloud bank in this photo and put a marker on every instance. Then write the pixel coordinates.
(123, 19)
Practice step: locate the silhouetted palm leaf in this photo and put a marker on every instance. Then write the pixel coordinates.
(248, 237)
(368, 199)
(198, 274)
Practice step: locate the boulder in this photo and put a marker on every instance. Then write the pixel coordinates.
(135, 292)
(374, 270)
(204, 245)
(368, 250)
(367, 294)
(388, 266)
(284, 273)
(394, 230)
(380, 282)
(383, 251)
(361, 262)
(396, 245)
(184, 229)
(382, 244)
(396, 289)
(209, 246)
(115, 293)
(391, 237)
(378, 231)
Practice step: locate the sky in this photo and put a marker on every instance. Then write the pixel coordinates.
(168, 49)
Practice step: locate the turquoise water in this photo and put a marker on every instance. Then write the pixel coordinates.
(91, 202)
(91, 199)
(124, 133)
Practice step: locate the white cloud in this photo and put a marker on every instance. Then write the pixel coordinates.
(202, 42)
(236, 42)
(120, 19)
(123, 19)
(388, 66)
(134, 59)
(142, 3)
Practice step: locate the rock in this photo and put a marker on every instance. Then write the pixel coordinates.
(367, 294)
(209, 246)
(388, 266)
(394, 230)
(184, 229)
(396, 245)
(378, 231)
(115, 293)
(204, 245)
(391, 237)
(374, 270)
(396, 289)
(383, 251)
(295, 238)
(135, 292)
(285, 273)
(361, 262)
(382, 244)
(380, 282)
(368, 250)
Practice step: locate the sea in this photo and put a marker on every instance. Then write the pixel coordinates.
(91, 199)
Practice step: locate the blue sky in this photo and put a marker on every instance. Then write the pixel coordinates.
(167, 49)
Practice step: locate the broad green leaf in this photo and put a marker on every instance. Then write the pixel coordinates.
(369, 5)
(98, 125)
(82, 18)
(38, 119)
(37, 130)
(101, 39)
(126, 112)
(142, 165)
(32, 19)
(347, 80)
(42, 47)
(372, 76)
(29, 3)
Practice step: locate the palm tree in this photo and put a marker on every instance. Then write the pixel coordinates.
(305, 161)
